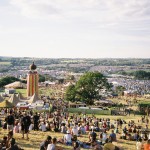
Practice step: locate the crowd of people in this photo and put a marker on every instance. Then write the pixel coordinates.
(101, 133)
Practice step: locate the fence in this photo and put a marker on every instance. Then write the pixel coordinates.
(89, 111)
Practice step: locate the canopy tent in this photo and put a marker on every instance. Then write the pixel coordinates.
(14, 99)
(6, 104)
(16, 85)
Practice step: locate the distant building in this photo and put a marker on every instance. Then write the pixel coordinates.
(32, 81)
(10, 91)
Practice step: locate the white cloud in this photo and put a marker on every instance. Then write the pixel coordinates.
(112, 8)
(35, 8)
(103, 12)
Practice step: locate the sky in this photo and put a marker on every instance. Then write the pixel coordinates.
(75, 28)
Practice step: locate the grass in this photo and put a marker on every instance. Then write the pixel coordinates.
(22, 91)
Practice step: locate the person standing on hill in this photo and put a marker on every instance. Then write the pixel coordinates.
(25, 123)
(36, 121)
(10, 120)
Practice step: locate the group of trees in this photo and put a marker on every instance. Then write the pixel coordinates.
(10, 79)
(140, 74)
(7, 80)
(88, 88)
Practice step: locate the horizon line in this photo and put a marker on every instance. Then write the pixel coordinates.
(78, 57)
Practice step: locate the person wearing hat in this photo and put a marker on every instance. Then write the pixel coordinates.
(44, 144)
(68, 138)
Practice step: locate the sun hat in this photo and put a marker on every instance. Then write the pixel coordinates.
(68, 132)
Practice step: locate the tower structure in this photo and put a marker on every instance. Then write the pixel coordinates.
(32, 81)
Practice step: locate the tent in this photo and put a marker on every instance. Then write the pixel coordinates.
(14, 99)
(16, 85)
(6, 104)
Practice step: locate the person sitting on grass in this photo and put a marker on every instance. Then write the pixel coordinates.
(4, 142)
(113, 136)
(116, 130)
(83, 131)
(68, 138)
(43, 126)
(76, 146)
(74, 130)
(13, 146)
(52, 146)
(92, 136)
(44, 144)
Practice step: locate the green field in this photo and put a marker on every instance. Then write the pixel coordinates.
(22, 91)
(5, 63)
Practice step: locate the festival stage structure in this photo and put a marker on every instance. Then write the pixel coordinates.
(32, 81)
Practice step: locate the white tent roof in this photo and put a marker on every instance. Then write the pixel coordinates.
(14, 99)
(67, 84)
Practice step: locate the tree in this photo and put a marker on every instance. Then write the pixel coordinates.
(120, 89)
(41, 78)
(70, 93)
(7, 80)
(141, 74)
(88, 87)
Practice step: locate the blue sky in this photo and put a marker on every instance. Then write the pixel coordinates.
(75, 28)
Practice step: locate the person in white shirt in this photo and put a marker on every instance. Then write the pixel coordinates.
(31, 127)
(2, 112)
(104, 137)
(43, 127)
(52, 146)
(75, 130)
(68, 138)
